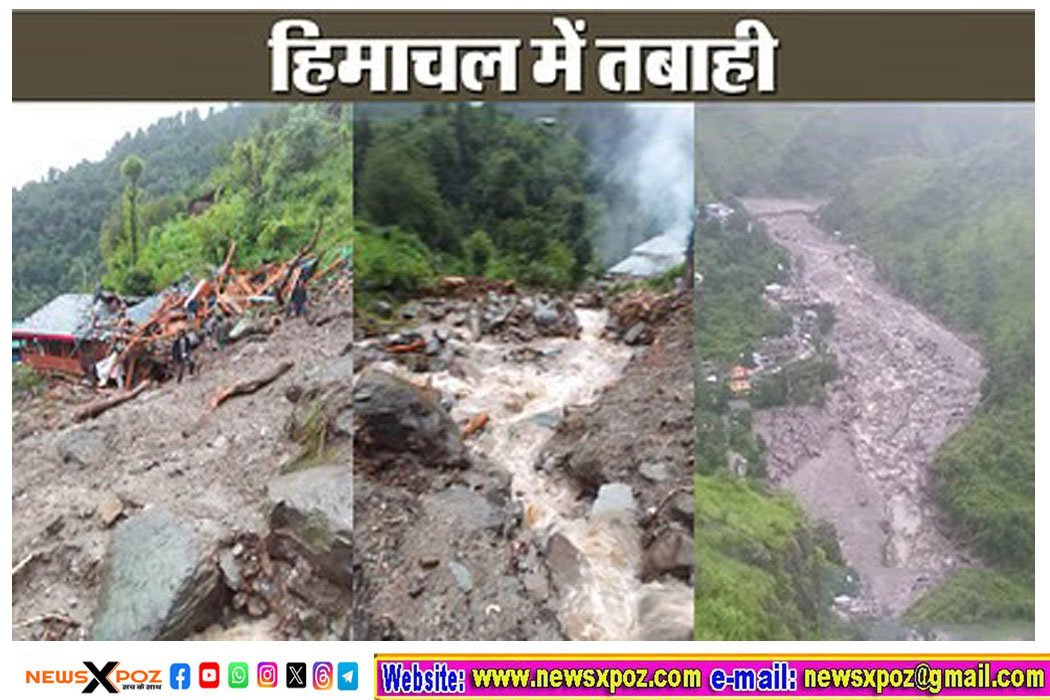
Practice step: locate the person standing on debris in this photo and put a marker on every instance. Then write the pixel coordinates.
(299, 299)
(211, 330)
(180, 354)
(192, 307)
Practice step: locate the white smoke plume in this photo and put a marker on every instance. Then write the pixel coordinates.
(649, 178)
(663, 168)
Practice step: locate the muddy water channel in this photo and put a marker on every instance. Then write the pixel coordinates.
(593, 545)
(863, 460)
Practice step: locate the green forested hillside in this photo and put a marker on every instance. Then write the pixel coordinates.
(766, 570)
(737, 264)
(471, 190)
(540, 192)
(290, 178)
(942, 197)
(815, 149)
(277, 176)
(56, 221)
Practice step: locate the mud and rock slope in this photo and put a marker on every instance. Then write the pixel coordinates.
(164, 519)
(862, 460)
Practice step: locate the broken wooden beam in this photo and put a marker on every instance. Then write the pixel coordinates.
(250, 386)
(475, 424)
(414, 346)
(224, 269)
(97, 408)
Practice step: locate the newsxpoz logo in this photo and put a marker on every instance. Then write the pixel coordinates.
(109, 677)
(101, 677)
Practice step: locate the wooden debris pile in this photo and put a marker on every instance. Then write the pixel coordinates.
(144, 352)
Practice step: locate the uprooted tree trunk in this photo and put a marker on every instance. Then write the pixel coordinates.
(97, 408)
(250, 386)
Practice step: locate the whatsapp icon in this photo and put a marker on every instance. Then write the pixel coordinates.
(238, 674)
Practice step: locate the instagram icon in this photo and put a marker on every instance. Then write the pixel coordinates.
(266, 675)
(322, 675)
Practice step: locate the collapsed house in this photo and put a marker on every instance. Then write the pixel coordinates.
(113, 340)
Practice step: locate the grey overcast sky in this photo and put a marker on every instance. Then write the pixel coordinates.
(61, 134)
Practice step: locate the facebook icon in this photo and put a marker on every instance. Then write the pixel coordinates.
(180, 676)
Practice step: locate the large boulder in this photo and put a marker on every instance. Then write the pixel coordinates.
(83, 447)
(671, 552)
(565, 563)
(162, 581)
(666, 613)
(314, 509)
(683, 509)
(323, 398)
(586, 465)
(399, 423)
(614, 499)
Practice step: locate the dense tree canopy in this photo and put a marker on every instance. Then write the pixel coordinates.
(292, 177)
(481, 190)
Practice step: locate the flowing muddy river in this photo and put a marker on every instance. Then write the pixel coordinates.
(525, 402)
(862, 460)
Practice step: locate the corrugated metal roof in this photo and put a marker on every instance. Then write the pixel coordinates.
(141, 311)
(642, 266)
(63, 315)
(655, 255)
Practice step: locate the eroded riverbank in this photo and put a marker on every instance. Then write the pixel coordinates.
(862, 460)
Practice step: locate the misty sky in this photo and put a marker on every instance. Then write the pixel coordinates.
(60, 134)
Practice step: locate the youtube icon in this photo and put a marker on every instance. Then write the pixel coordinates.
(208, 675)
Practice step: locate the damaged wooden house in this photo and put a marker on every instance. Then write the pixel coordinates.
(124, 342)
(55, 339)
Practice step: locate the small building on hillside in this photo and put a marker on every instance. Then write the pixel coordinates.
(739, 381)
(72, 333)
(655, 255)
(53, 338)
(718, 211)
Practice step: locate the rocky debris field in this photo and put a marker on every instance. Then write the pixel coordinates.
(522, 472)
(438, 536)
(470, 524)
(637, 315)
(862, 459)
(165, 518)
(430, 333)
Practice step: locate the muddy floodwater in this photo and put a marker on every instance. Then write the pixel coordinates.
(863, 460)
(525, 403)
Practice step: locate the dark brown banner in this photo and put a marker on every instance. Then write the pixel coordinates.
(915, 56)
